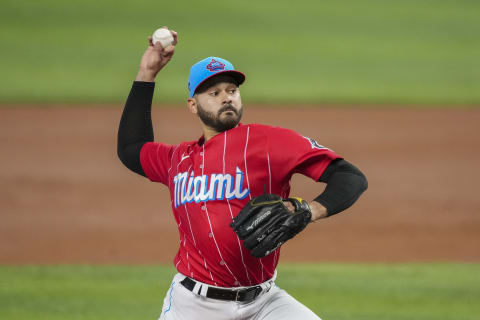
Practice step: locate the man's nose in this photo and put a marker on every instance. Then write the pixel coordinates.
(226, 99)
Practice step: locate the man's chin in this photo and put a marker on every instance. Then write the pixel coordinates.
(227, 125)
(229, 118)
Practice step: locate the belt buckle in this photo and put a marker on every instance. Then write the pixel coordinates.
(252, 293)
(236, 295)
(258, 290)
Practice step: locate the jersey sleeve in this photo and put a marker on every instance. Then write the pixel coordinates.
(156, 159)
(291, 153)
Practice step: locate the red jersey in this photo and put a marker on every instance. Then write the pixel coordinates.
(210, 182)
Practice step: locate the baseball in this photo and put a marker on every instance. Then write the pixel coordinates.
(164, 36)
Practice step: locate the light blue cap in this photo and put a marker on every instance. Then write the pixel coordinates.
(208, 68)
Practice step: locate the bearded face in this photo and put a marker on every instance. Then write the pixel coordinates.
(226, 118)
(218, 103)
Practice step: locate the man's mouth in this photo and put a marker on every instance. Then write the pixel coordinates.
(228, 110)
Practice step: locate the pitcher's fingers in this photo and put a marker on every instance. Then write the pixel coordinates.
(175, 37)
(168, 51)
(158, 46)
(150, 41)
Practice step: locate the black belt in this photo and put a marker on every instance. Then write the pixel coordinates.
(240, 295)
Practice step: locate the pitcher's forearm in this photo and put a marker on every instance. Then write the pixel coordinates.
(135, 127)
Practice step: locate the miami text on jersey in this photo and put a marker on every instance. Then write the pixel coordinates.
(216, 186)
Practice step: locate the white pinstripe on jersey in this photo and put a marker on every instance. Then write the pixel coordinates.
(245, 160)
(230, 209)
(191, 231)
(210, 223)
(180, 230)
(248, 184)
(275, 258)
(171, 164)
(269, 175)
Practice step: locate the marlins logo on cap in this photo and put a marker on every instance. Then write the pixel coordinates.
(208, 68)
(215, 65)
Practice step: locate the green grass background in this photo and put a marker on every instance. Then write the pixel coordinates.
(334, 291)
(347, 51)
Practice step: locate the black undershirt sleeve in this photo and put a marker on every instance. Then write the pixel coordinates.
(136, 125)
(345, 184)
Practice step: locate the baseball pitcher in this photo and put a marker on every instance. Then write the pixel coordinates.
(229, 193)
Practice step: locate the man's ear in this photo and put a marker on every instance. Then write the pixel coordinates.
(192, 105)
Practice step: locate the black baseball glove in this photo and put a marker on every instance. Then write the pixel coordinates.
(265, 223)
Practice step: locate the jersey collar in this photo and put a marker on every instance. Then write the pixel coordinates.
(201, 140)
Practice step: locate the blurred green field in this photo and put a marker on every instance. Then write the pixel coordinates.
(372, 51)
(334, 291)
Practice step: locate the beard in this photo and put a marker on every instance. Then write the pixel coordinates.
(216, 122)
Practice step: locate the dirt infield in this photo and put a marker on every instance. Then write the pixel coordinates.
(65, 197)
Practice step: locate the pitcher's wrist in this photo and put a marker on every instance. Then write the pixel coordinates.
(318, 211)
(146, 76)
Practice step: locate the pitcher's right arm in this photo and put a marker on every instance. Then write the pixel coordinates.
(135, 127)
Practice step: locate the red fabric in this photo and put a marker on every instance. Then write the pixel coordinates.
(209, 184)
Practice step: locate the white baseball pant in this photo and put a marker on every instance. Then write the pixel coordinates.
(272, 304)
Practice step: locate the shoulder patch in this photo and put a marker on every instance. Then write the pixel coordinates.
(315, 144)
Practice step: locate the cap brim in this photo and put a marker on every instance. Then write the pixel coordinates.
(239, 76)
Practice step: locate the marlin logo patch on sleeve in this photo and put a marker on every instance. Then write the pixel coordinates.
(315, 144)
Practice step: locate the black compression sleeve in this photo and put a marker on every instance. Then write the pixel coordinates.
(345, 184)
(136, 125)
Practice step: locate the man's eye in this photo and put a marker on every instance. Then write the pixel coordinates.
(233, 91)
(214, 93)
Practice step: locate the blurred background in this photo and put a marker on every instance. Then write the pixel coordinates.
(394, 87)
